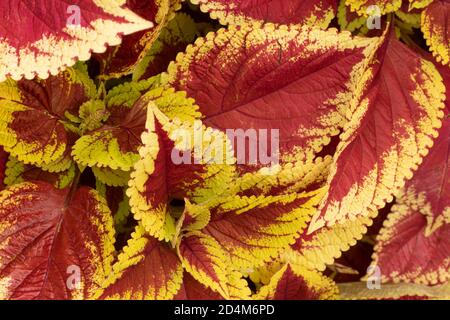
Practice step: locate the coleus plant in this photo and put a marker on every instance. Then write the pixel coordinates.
(93, 205)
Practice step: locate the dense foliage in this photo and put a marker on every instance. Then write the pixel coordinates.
(120, 179)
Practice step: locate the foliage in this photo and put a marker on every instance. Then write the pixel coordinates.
(94, 107)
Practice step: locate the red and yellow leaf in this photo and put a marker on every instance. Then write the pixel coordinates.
(293, 282)
(254, 229)
(110, 177)
(419, 4)
(392, 124)
(18, 172)
(116, 143)
(347, 19)
(194, 218)
(174, 38)
(317, 250)
(237, 12)
(122, 59)
(295, 80)
(53, 245)
(146, 270)
(436, 30)
(191, 289)
(204, 258)
(410, 16)
(53, 34)
(51, 103)
(157, 179)
(414, 244)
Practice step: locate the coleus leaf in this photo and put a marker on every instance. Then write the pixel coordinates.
(113, 143)
(53, 34)
(436, 30)
(366, 7)
(269, 77)
(116, 143)
(111, 177)
(299, 176)
(370, 165)
(318, 249)
(51, 237)
(191, 289)
(264, 223)
(157, 179)
(18, 172)
(313, 12)
(165, 277)
(52, 103)
(122, 59)
(254, 229)
(294, 282)
(347, 19)
(146, 269)
(204, 258)
(413, 245)
(118, 204)
(174, 38)
(194, 217)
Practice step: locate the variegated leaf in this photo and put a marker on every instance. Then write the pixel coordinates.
(297, 283)
(204, 258)
(436, 30)
(174, 38)
(191, 289)
(18, 172)
(146, 270)
(392, 124)
(121, 60)
(54, 244)
(51, 103)
(116, 143)
(317, 250)
(298, 81)
(236, 12)
(161, 175)
(414, 244)
(53, 34)
(254, 229)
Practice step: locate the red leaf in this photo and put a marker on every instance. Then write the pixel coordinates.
(436, 30)
(390, 130)
(191, 289)
(297, 283)
(297, 81)
(317, 12)
(146, 270)
(42, 37)
(53, 247)
(414, 244)
(121, 60)
(51, 103)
